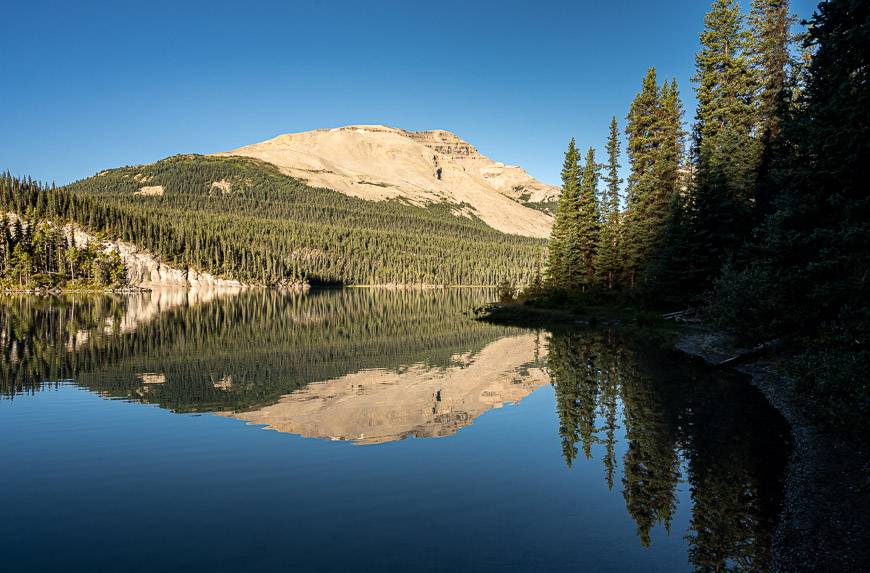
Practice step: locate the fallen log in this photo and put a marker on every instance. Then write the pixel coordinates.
(749, 354)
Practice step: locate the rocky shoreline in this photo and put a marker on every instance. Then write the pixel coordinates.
(129, 289)
(823, 523)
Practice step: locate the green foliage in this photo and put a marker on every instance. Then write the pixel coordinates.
(655, 152)
(725, 149)
(573, 247)
(609, 256)
(243, 219)
(36, 252)
(561, 260)
(749, 302)
(769, 222)
(506, 292)
(588, 223)
(804, 274)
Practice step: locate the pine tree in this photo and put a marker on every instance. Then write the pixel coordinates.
(561, 269)
(655, 150)
(610, 245)
(769, 23)
(670, 273)
(641, 130)
(806, 276)
(588, 221)
(671, 152)
(726, 153)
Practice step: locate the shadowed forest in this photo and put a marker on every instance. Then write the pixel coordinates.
(759, 218)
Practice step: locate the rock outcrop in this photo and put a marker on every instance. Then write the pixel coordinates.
(147, 271)
(375, 162)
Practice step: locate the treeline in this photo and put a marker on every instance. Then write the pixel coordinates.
(599, 242)
(36, 252)
(764, 222)
(243, 219)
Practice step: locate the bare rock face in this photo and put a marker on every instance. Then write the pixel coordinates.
(510, 180)
(146, 271)
(143, 268)
(376, 162)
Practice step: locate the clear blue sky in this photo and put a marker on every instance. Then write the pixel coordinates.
(90, 85)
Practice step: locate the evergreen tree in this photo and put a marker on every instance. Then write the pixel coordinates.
(813, 248)
(610, 245)
(641, 130)
(769, 52)
(672, 148)
(726, 153)
(561, 261)
(670, 273)
(655, 149)
(588, 221)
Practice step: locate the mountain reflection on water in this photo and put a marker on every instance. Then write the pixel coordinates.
(379, 366)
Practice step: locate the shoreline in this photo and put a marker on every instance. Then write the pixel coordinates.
(53, 291)
(826, 488)
(293, 287)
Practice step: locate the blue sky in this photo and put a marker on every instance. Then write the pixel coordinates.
(90, 85)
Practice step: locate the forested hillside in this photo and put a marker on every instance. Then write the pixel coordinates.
(38, 252)
(242, 218)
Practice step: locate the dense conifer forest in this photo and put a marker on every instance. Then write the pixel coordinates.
(242, 219)
(763, 223)
(37, 252)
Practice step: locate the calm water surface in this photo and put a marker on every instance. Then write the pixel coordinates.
(366, 430)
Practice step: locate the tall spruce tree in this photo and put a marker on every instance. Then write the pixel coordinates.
(670, 272)
(671, 151)
(641, 130)
(769, 23)
(655, 149)
(588, 221)
(610, 244)
(725, 150)
(561, 265)
(769, 55)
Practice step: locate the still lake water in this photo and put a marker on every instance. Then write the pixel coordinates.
(367, 430)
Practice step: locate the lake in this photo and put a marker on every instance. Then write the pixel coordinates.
(368, 430)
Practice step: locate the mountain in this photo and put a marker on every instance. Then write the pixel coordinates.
(351, 206)
(375, 162)
(242, 219)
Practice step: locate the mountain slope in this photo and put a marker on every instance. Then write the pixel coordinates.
(377, 162)
(240, 218)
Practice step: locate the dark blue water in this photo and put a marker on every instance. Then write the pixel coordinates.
(436, 443)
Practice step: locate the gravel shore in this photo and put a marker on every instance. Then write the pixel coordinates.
(826, 507)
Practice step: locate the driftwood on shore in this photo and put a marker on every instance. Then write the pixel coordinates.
(687, 315)
(750, 354)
